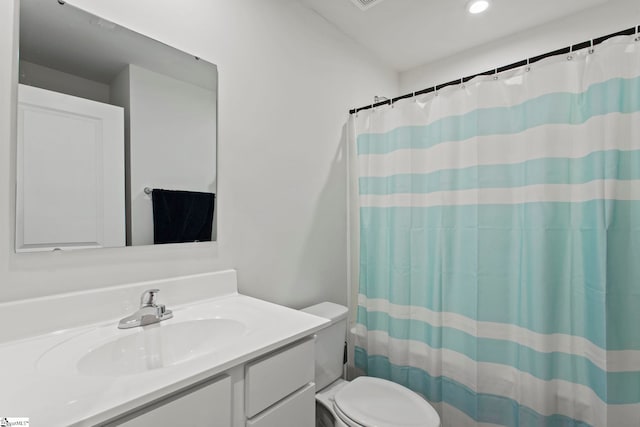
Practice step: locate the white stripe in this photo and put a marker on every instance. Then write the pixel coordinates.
(611, 361)
(622, 361)
(609, 189)
(551, 141)
(545, 397)
(623, 416)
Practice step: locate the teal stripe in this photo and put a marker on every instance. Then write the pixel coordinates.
(611, 387)
(612, 164)
(540, 266)
(611, 96)
(484, 408)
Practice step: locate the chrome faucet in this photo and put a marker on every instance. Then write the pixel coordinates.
(149, 312)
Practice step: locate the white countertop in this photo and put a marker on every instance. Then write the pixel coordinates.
(64, 397)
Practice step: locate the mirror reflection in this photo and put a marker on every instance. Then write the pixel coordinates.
(116, 135)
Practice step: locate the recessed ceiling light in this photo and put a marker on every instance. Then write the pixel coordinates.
(477, 6)
(366, 4)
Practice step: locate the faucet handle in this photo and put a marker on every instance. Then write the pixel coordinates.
(148, 298)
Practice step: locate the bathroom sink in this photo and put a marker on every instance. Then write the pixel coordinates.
(108, 351)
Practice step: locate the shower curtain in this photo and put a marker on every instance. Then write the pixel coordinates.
(499, 243)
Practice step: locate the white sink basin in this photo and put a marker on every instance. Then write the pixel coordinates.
(108, 351)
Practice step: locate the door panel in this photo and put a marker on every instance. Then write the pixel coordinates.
(70, 182)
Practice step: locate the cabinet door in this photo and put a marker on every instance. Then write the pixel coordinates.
(70, 172)
(208, 405)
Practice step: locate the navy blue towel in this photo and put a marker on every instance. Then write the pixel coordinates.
(182, 216)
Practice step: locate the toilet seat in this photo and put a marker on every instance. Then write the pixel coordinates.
(344, 418)
(368, 401)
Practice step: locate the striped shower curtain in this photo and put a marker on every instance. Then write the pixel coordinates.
(499, 243)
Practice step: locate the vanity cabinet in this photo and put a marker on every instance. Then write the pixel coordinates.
(223, 360)
(274, 390)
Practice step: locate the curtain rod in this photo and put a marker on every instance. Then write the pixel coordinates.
(589, 43)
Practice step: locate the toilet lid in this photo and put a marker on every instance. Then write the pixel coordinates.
(381, 403)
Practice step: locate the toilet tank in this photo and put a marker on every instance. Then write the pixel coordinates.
(329, 342)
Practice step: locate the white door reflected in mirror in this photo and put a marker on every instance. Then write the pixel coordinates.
(70, 165)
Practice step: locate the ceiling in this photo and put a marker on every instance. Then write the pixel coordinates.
(70, 40)
(408, 33)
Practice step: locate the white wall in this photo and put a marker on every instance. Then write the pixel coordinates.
(287, 79)
(592, 23)
(172, 145)
(47, 78)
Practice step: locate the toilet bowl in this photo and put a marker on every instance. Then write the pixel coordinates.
(365, 401)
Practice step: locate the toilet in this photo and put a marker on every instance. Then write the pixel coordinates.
(365, 401)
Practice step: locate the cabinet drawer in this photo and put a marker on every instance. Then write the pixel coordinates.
(277, 375)
(298, 410)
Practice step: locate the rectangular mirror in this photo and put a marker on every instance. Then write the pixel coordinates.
(116, 135)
